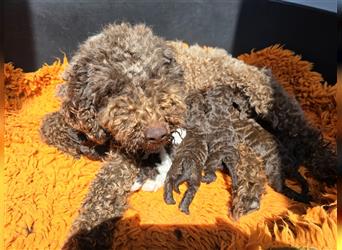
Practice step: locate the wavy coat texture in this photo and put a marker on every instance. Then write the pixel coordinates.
(46, 187)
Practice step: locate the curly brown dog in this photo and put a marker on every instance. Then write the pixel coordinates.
(216, 125)
(125, 88)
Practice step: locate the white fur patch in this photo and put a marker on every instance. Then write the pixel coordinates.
(178, 136)
(254, 205)
(163, 168)
(136, 186)
(152, 185)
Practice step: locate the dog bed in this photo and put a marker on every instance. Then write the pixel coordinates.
(45, 188)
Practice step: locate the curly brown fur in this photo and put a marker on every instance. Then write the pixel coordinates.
(124, 79)
(242, 129)
(193, 152)
(272, 105)
(187, 167)
(115, 80)
(303, 141)
(215, 129)
(250, 183)
(68, 139)
(106, 200)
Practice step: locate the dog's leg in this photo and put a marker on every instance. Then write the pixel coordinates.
(105, 202)
(56, 132)
(321, 160)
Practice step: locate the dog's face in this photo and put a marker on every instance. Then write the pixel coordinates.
(143, 113)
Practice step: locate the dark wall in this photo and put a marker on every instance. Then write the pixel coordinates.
(339, 30)
(38, 31)
(309, 32)
(44, 28)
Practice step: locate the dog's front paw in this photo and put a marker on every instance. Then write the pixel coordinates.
(98, 237)
(91, 153)
(148, 185)
(152, 185)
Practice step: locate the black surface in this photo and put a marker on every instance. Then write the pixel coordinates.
(339, 30)
(308, 32)
(38, 31)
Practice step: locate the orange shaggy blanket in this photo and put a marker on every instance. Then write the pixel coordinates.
(44, 187)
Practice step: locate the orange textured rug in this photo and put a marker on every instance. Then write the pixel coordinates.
(44, 187)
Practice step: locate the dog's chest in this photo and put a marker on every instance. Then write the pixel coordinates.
(153, 184)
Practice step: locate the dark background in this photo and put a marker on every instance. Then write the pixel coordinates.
(37, 31)
(339, 106)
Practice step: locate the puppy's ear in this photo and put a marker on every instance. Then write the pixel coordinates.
(189, 101)
(168, 54)
(173, 68)
(195, 100)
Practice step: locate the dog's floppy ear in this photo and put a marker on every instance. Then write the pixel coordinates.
(105, 116)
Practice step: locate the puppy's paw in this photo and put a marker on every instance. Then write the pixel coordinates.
(244, 206)
(209, 177)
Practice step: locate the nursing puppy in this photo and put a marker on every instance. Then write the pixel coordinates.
(217, 122)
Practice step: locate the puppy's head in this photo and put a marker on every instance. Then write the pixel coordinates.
(197, 110)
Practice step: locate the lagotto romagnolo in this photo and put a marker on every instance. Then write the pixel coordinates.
(124, 96)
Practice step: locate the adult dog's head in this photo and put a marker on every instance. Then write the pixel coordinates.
(135, 85)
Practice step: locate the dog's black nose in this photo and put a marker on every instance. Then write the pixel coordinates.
(156, 131)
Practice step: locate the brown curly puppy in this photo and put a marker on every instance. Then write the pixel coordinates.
(125, 88)
(216, 125)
